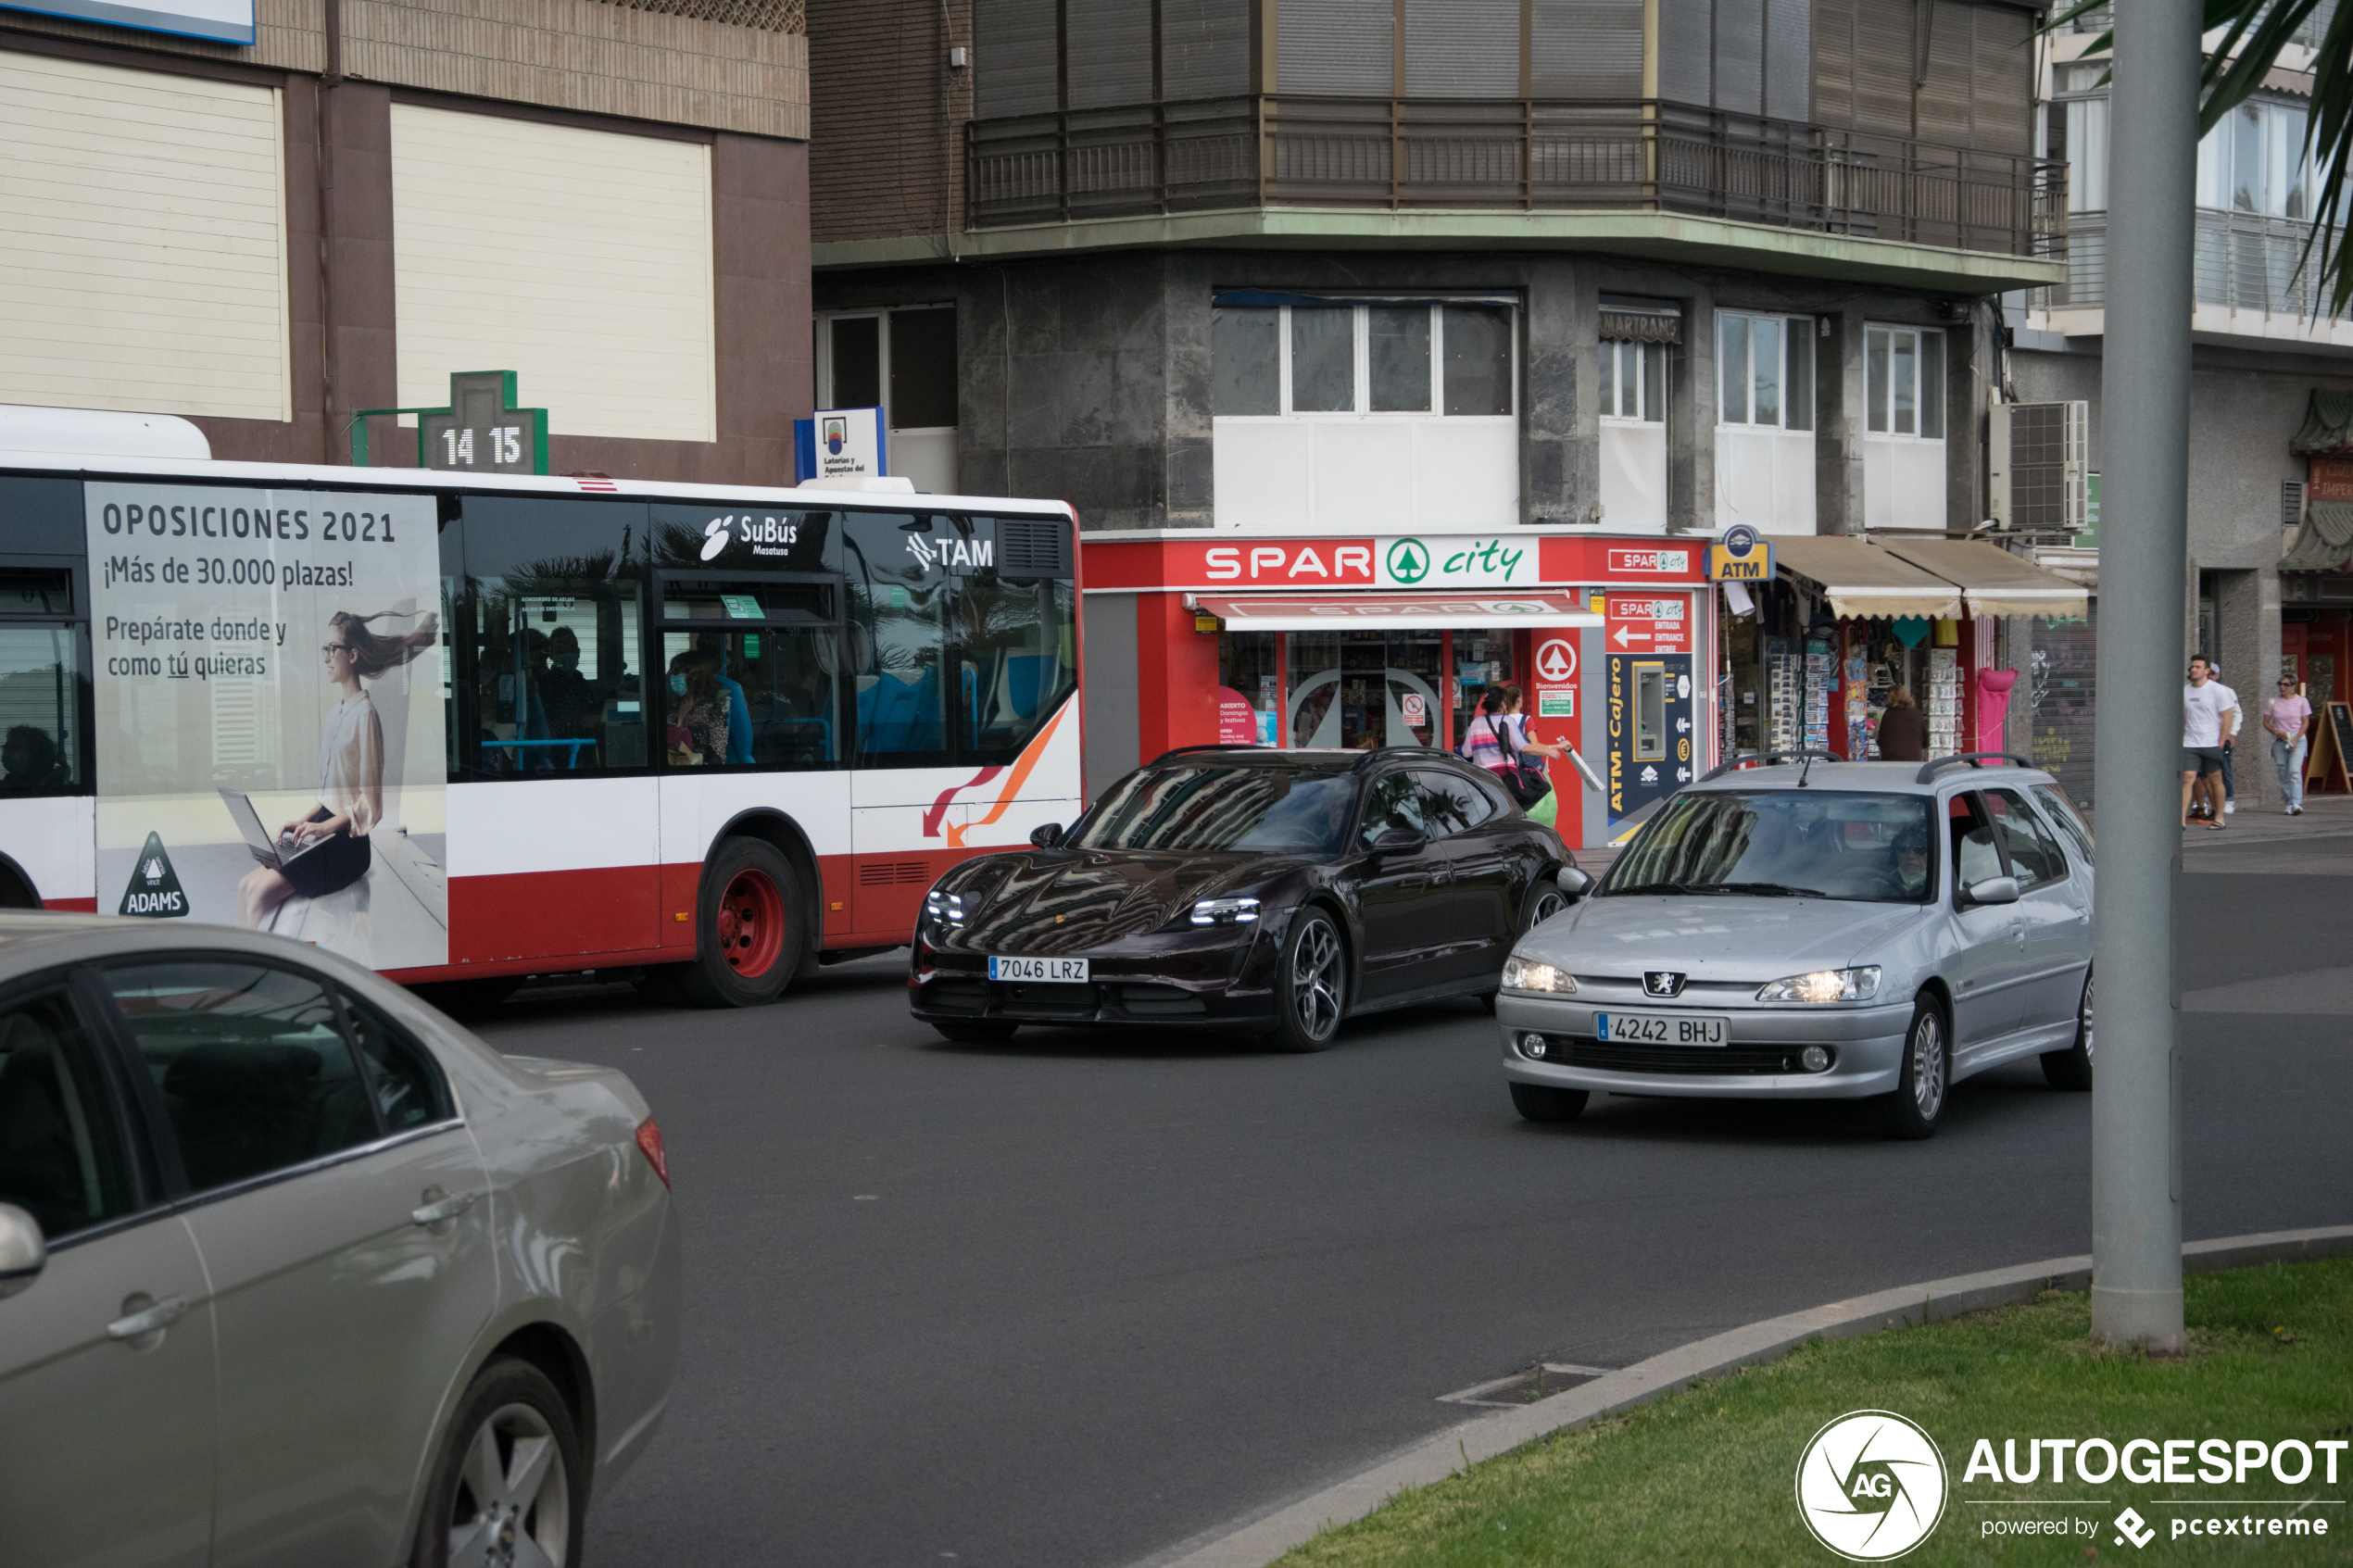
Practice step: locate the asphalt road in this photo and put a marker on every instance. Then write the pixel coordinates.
(1076, 1299)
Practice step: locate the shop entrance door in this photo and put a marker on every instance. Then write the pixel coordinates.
(1342, 707)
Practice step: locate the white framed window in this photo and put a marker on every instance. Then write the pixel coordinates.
(2254, 162)
(1904, 383)
(1633, 382)
(1765, 370)
(1410, 359)
(901, 360)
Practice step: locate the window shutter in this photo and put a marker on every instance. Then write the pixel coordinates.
(1014, 68)
(1686, 46)
(1457, 50)
(2005, 87)
(1111, 52)
(1943, 111)
(1789, 59)
(1835, 62)
(1883, 66)
(1204, 48)
(1587, 49)
(1338, 48)
(1740, 56)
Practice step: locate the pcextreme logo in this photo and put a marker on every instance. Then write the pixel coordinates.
(1870, 1485)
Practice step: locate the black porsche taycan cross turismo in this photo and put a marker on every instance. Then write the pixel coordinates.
(1262, 892)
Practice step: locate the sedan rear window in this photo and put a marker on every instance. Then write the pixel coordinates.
(1229, 808)
(1822, 844)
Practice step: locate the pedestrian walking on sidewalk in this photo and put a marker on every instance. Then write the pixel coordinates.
(1903, 730)
(2206, 708)
(2288, 718)
(2232, 723)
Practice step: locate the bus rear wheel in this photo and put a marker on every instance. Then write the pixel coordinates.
(748, 928)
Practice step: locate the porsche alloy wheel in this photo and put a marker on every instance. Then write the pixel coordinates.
(1311, 985)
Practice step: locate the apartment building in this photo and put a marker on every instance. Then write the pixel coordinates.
(268, 215)
(1332, 296)
(2271, 368)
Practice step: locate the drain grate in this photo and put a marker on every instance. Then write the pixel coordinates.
(1539, 1382)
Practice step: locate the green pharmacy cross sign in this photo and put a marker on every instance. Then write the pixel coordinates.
(482, 431)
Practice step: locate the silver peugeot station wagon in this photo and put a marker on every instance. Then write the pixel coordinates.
(1810, 928)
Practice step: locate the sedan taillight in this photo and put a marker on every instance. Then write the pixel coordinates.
(649, 1145)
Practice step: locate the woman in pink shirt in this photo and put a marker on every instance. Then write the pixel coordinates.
(2289, 719)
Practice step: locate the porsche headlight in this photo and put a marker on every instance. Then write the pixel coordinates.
(948, 908)
(1226, 911)
(1526, 974)
(1825, 986)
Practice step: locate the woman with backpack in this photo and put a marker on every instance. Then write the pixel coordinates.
(1497, 741)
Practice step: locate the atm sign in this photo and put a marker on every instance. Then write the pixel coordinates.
(1741, 556)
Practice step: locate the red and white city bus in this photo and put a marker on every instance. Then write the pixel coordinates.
(523, 726)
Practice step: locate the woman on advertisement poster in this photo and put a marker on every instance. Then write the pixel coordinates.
(351, 771)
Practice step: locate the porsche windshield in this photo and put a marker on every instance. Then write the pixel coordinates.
(1209, 806)
(1817, 843)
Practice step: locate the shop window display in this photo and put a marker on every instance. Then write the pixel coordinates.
(1360, 690)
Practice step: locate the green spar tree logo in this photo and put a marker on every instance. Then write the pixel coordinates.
(1408, 560)
(1872, 1485)
(154, 890)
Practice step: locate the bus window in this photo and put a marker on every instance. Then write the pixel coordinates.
(554, 675)
(898, 670)
(758, 696)
(1018, 659)
(41, 684)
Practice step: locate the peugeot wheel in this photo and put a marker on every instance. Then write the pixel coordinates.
(510, 1487)
(747, 927)
(1925, 1079)
(1544, 1102)
(1311, 984)
(2071, 1069)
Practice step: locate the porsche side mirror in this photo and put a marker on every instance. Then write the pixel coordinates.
(1047, 837)
(1571, 880)
(1994, 890)
(23, 1253)
(1399, 841)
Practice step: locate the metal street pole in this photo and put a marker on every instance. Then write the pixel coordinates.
(2145, 407)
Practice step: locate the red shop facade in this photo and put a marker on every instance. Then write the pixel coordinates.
(1197, 638)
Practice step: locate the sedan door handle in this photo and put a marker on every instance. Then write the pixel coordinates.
(436, 1210)
(150, 1320)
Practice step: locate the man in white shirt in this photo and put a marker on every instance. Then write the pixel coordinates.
(2205, 708)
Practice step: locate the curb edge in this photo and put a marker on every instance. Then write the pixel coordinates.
(1258, 1540)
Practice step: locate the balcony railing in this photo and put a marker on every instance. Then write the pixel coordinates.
(2245, 260)
(1507, 154)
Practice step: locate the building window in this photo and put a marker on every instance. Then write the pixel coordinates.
(1333, 357)
(1904, 373)
(903, 362)
(2254, 162)
(1633, 382)
(1765, 370)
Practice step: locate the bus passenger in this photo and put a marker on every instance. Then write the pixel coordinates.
(698, 710)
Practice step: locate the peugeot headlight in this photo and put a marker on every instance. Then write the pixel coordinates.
(1825, 986)
(1226, 911)
(945, 908)
(1526, 974)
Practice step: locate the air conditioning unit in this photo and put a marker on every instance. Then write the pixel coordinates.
(2040, 460)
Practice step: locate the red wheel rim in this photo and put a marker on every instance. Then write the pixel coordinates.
(751, 924)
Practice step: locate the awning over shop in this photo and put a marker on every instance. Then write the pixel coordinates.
(1321, 613)
(2325, 540)
(1993, 581)
(1860, 579)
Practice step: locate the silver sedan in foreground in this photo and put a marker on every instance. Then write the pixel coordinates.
(294, 1271)
(1817, 930)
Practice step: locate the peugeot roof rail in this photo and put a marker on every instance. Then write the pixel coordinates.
(1767, 760)
(1934, 766)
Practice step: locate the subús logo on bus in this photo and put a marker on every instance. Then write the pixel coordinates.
(722, 531)
(1870, 1485)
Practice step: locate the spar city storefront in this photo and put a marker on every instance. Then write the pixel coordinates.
(1195, 638)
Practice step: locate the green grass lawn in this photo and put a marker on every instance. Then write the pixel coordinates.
(1708, 1476)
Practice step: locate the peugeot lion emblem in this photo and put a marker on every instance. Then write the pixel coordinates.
(1662, 983)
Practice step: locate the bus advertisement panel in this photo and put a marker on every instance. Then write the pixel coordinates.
(270, 728)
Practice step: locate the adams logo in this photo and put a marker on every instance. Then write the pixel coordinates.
(155, 886)
(1870, 1485)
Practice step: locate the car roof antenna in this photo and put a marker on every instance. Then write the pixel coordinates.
(1805, 768)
